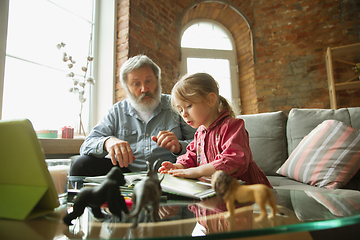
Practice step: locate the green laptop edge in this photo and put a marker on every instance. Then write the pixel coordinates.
(26, 188)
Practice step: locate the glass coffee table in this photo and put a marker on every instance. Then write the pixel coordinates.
(183, 218)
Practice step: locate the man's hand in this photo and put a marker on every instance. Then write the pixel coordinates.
(119, 149)
(167, 140)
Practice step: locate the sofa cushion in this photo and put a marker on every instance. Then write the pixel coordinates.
(348, 193)
(328, 157)
(302, 121)
(355, 123)
(354, 117)
(267, 136)
(320, 204)
(281, 181)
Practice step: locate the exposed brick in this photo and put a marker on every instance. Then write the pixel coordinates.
(290, 36)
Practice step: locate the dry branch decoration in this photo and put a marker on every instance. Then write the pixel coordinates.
(78, 84)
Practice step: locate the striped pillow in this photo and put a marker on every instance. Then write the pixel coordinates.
(337, 205)
(328, 157)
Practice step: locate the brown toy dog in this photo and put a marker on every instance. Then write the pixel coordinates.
(230, 190)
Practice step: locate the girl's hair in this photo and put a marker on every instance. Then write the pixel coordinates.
(198, 85)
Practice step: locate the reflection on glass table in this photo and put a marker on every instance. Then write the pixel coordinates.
(186, 218)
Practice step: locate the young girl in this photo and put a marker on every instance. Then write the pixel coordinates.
(221, 141)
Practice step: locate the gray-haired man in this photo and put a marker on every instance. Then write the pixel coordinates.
(141, 128)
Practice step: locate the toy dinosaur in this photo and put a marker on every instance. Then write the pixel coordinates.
(147, 193)
(230, 190)
(108, 191)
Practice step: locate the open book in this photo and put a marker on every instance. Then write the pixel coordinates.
(130, 178)
(192, 188)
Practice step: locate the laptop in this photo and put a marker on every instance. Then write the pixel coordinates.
(26, 188)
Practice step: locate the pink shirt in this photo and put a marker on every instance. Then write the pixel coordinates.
(225, 144)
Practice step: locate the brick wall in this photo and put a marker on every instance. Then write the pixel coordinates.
(291, 38)
(287, 68)
(152, 31)
(122, 44)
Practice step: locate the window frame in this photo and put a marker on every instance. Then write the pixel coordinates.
(4, 9)
(104, 63)
(230, 55)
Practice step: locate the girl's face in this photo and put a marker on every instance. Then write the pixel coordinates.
(195, 113)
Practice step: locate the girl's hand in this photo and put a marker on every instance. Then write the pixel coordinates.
(186, 173)
(194, 172)
(166, 166)
(168, 211)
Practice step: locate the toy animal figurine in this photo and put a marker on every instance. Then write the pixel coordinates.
(230, 190)
(147, 192)
(108, 191)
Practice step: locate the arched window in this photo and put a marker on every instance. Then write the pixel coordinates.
(207, 46)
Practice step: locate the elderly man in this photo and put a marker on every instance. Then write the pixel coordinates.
(141, 128)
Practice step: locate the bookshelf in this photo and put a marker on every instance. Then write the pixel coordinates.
(340, 62)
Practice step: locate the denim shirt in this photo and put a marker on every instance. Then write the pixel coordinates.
(123, 122)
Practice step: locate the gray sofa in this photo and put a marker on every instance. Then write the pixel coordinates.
(273, 136)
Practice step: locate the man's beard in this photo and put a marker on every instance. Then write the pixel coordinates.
(148, 105)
